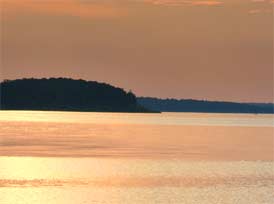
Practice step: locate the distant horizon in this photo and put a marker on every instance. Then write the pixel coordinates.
(138, 96)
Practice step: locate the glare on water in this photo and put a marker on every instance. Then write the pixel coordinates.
(67, 158)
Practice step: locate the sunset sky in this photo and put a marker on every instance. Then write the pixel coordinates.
(201, 49)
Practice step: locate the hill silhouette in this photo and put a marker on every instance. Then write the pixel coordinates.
(184, 105)
(66, 94)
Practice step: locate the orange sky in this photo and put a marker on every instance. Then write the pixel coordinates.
(202, 49)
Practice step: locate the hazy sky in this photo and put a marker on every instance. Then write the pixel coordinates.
(214, 49)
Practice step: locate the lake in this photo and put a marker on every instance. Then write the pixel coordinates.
(115, 158)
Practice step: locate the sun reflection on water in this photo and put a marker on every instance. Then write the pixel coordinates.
(68, 158)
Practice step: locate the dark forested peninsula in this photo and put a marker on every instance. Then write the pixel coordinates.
(66, 94)
(174, 105)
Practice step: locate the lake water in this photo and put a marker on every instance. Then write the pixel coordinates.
(115, 158)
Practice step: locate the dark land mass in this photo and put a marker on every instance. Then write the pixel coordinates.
(174, 105)
(63, 94)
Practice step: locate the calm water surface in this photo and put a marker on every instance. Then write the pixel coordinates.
(75, 158)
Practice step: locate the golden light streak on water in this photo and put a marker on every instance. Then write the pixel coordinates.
(68, 158)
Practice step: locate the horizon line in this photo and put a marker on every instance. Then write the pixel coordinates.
(153, 97)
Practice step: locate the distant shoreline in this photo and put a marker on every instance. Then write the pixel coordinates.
(77, 111)
(202, 106)
(151, 112)
(65, 94)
